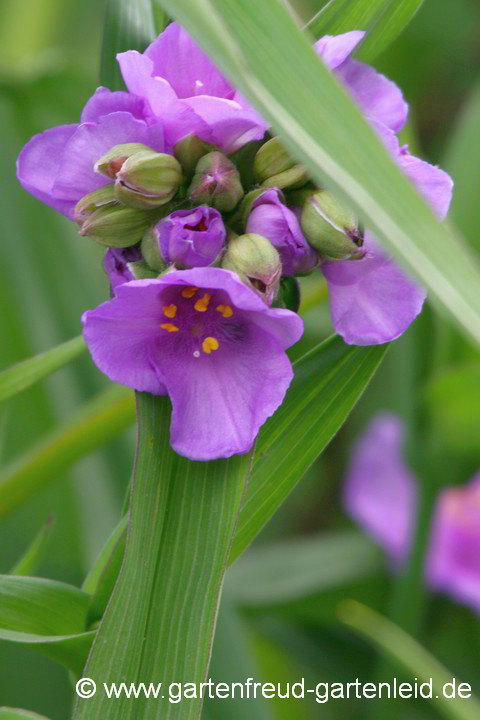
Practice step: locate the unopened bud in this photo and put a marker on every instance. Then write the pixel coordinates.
(330, 228)
(148, 179)
(110, 163)
(189, 151)
(115, 225)
(150, 248)
(141, 271)
(216, 182)
(94, 200)
(257, 263)
(273, 167)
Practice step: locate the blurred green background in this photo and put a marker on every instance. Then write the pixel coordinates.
(49, 58)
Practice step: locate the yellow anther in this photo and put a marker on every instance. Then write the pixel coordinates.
(226, 310)
(169, 327)
(202, 304)
(210, 344)
(170, 311)
(189, 292)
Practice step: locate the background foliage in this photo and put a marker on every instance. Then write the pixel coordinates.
(49, 53)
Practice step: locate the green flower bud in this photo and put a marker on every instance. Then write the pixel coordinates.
(330, 228)
(273, 167)
(189, 151)
(110, 163)
(148, 179)
(94, 200)
(141, 271)
(150, 248)
(257, 263)
(216, 182)
(115, 225)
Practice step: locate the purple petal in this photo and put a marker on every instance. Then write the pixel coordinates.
(115, 264)
(371, 301)
(334, 49)
(434, 184)
(232, 126)
(105, 102)
(379, 491)
(377, 96)
(76, 177)
(39, 162)
(453, 561)
(178, 59)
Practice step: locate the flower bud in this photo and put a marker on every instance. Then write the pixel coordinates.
(330, 228)
(189, 238)
(189, 151)
(110, 163)
(273, 167)
(148, 179)
(275, 221)
(256, 262)
(115, 225)
(94, 200)
(216, 182)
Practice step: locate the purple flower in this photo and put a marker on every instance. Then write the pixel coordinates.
(116, 267)
(191, 238)
(453, 562)
(182, 86)
(208, 341)
(57, 165)
(380, 494)
(272, 219)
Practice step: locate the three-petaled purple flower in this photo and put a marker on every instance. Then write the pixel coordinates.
(207, 340)
(380, 494)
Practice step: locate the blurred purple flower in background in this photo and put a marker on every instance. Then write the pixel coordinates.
(380, 494)
(209, 342)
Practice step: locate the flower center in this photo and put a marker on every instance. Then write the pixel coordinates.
(199, 319)
(199, 227)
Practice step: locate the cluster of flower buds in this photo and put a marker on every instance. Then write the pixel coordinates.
(190, 209)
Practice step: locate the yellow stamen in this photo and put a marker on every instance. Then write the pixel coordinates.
(209, 344)
(202, 304)
(170, 311)
(169, 327)
(226, 310)
(189, 292)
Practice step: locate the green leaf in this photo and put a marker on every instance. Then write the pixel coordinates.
(24, 374)
(262, 50)
(160, 17)
(33, 557)
(410, 655)
(298, 567)
(102, 577)
(17, 714)
(46, 615)
(160, 620)
(129, 25)
(382, 20)
(328, 382)
(98, 421)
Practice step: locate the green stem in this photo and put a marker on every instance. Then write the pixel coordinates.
(159, 624)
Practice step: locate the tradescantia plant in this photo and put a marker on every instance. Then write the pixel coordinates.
(212, 203)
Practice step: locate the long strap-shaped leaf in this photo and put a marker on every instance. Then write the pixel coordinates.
(263, 51)
(160, 621)
(383, 20)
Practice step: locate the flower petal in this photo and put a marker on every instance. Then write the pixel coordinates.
(232, 126)
(434, 184)
(377, 96)
(334, 49)
(371, 301)
(177, 58)
(379, 491)
(39, 162)
(76, 176)
(104, 102)
(119, 334)
(221, 400)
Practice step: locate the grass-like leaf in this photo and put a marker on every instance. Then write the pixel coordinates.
(34, 554)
